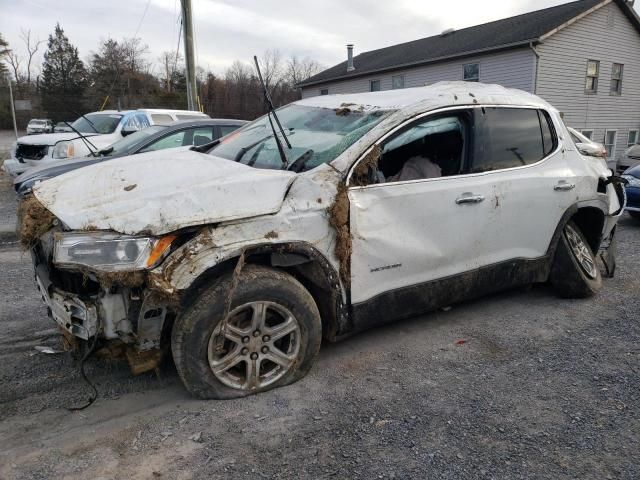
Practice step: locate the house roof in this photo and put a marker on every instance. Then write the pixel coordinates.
(498, 35)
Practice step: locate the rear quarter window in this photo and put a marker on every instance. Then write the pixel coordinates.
(511, 137)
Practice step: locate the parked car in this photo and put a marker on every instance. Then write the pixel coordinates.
(363, 209)
(157, 137)
(39, 125)
(588, 147)
(632, 175)
(62, 127)
(100, 130)
(631, 158)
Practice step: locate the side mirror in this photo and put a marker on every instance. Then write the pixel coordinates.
(128, 130)
(591, 150)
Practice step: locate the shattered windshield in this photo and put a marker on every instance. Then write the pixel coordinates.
(101, 123)
(317, 136)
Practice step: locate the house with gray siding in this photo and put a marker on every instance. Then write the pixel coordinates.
(582, 57)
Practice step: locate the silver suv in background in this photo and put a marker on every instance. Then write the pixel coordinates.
(38, 125)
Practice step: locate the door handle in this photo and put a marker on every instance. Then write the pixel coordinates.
(469, 198)
(564, 186)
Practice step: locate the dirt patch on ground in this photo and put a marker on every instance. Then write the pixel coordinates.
(339, 219)
(34, 220)
(362, 172)
(271, 235)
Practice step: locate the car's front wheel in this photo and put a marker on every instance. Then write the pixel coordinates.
(270, 337)
(575, 272)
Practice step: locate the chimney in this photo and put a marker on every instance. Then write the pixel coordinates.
(350, 67)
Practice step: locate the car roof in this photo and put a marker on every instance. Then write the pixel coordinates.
(441, 94)
(209, 121)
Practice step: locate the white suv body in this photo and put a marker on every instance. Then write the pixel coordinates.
(111, 126)
(246, 266)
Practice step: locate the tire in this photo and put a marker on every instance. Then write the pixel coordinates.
(635, 215)
(570, 274)
(264, 298)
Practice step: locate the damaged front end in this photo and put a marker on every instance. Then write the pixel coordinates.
(94, 284)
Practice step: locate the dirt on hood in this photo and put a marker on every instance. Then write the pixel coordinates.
(34, 220)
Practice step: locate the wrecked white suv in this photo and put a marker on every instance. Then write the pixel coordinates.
(386, 205)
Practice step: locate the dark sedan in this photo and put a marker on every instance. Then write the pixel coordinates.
(156, 137)
(632, 176)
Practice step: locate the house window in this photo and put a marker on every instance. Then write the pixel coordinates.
(587, 133)
(374, 86)
(632, 139)
(397, 81)
(471, 72)
(616, 79)
(324, 91)
(610, 142)
(593, 70)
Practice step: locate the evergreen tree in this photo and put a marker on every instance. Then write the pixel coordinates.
(64, 78)
(4, 49)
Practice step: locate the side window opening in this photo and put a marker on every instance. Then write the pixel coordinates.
(432, 148)
(511, 137)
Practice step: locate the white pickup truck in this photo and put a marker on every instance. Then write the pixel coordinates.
(101, 129)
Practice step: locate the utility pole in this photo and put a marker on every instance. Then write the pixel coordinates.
(187, 29)
(13, 108)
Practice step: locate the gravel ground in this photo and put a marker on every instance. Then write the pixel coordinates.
(540, 388)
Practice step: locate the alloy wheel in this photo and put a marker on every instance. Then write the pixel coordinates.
(256, 345)
(581, 251)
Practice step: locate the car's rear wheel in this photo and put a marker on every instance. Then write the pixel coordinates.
(575, 273)
(269, 339)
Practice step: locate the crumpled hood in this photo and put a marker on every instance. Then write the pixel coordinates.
(160, 192)
(50, 138)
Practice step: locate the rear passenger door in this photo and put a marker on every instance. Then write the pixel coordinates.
(519, 163)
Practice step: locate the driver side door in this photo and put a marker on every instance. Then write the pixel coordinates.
(408, 234)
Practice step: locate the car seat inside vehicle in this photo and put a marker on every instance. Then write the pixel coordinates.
(439, 142)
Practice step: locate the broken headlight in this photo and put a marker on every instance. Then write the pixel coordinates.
(63, 149)
(110, 252)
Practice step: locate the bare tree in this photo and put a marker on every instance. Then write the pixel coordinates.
(134, 51)
(169, 65)
(298, 70)
(32, 46)
(271, 67)
(14, 61)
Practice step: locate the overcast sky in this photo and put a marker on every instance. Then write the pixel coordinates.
(227, 30)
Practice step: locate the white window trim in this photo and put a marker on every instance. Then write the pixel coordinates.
(611, 154)
(629, 134)
(590, 130)
(472, 63)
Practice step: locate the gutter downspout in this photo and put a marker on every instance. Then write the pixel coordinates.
(535, 70)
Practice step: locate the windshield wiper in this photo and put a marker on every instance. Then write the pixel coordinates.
(85, 140)
(88, 121)
(244, 150)
(272, 111)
